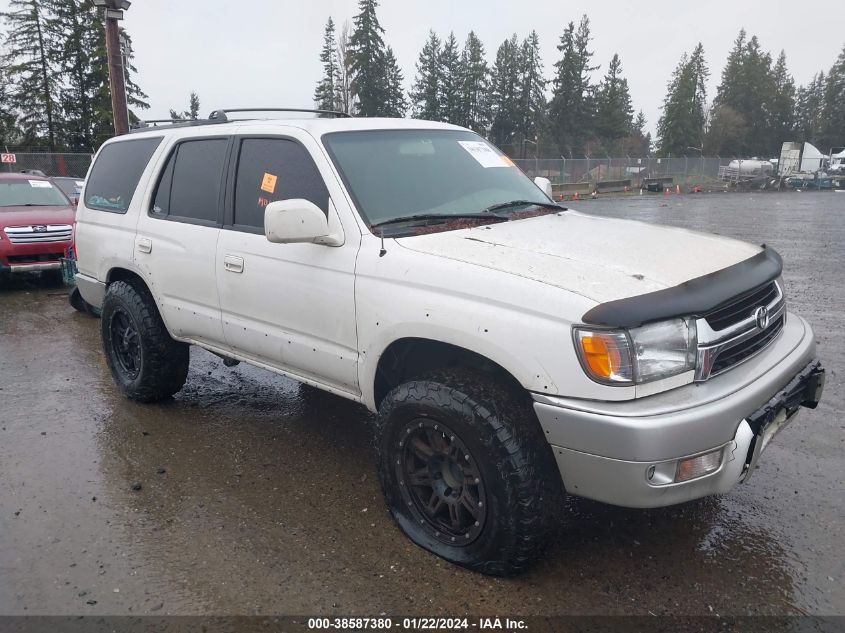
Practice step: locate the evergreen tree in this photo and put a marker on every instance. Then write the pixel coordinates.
(531, 124)
(326, 92)
(614, 112)
(833, 107)
(343, 82)
(808, 109)
(450, 80)
(682, 123)
(395, 104)
(9, 133)
(571, 105)
(781, 107)
(193, 111)
(366, 52)
(34, 91)
(426, 92)
(475, 80)
(505, 92)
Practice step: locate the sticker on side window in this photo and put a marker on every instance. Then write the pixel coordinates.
(268, 183)
(485, 154)
(40, 184)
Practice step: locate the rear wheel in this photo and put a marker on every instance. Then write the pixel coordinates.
(146, 363)
(466, 471)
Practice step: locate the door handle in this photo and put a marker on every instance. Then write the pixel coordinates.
(145, 245)
(233, 264)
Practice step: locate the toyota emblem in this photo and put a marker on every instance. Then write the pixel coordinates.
(761, 317)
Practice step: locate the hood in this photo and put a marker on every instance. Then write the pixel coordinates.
(603, 259)
(25, 216)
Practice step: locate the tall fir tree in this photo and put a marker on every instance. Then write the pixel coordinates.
(614, 112)
(366, 51)
(395, 103)
(343, 82)
(781, 106)
(426, 91)
(326, 92)
(532, 106)
(9, 133)
(193, 111)
(31, 70)
(832, 131)
(808, 109)
(505, 93)
(450, 80)
(475, 80)
(681, 125)
(571, 104)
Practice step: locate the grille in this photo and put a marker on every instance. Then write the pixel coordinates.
(747, 348)
(39, 233)
(32, 259)
(741, 308)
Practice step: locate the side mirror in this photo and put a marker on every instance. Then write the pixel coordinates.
(545, 185)
(295, 221)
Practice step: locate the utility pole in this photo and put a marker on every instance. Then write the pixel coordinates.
(117, 85)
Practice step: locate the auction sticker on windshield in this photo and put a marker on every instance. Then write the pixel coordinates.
(484, 154)
(40, 184)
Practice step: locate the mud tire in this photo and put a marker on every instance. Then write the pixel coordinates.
(161, 366)
(496, 422)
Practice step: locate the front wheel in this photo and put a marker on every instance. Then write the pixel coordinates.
(466, 471)
(145, 362)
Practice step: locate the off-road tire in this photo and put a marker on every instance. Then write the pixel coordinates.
(162, 364)
(496, 423)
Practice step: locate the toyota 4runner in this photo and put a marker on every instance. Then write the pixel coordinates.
(514, 351)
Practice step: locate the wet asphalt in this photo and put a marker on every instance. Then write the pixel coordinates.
(259, 496)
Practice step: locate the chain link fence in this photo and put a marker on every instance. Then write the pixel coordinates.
(684, 170)
(52, 164)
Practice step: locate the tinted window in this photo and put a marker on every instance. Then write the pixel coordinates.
(189, 186)
(270, 170)
(115, 175)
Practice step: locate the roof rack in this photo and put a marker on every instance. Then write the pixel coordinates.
(221, 113)
(220, 116)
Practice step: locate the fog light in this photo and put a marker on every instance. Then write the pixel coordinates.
(695, 467)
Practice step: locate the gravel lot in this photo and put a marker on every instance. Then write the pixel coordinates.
(259, 496)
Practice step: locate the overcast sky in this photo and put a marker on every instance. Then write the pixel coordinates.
(265, 52)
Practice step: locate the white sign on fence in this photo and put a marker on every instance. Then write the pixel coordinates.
(8, 158)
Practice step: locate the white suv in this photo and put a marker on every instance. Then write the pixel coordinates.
(513, 350)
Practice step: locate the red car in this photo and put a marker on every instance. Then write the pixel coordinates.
(36, 223)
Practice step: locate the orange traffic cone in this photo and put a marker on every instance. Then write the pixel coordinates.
(625, 189)
(677, 188)
(575, 197)
(665, 192)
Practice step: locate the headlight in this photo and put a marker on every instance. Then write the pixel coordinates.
(643, 354)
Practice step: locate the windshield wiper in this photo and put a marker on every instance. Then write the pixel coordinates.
(519, 203)
(443, 217)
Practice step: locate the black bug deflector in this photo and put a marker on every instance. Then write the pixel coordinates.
(695, 297)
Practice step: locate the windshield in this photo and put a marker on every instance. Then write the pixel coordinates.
(400, 173)
(37, 193)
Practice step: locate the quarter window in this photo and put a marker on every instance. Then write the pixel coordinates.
(189, 187)
(271, 170)
(116, 173)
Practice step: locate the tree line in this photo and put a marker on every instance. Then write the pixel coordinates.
(577, 112)
(54, 77)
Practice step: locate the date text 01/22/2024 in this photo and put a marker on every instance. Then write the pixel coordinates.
(417, 624)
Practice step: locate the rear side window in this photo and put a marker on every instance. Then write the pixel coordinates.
(116, 173)
(271, 169)
(189, 187)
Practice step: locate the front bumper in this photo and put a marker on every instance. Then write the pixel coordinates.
(607, 450)
(28, 258)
